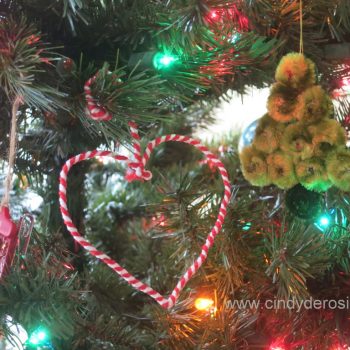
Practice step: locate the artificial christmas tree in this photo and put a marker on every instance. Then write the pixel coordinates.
(166, 65)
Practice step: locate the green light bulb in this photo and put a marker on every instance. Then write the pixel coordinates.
(323, 222)
(163, 61)
(38, 337)
(166, 60)
(34, 340)
(41, 335)
(247, 226)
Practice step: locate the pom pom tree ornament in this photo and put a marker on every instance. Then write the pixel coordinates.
(297, 142)
(136, 171)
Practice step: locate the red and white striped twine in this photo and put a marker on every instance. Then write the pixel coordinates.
(139, 173)
(96, 112)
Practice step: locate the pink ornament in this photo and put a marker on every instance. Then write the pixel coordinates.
(8, 240)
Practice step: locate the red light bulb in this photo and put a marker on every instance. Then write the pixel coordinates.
(277, 346)
(213, 14)
(345, 82)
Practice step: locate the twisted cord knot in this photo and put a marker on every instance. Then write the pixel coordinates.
(136, 172)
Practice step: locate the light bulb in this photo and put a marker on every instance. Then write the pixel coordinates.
(203, 304)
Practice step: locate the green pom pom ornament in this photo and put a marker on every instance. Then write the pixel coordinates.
(282, 103)
(254, 166)
(296, 71)
(314, 105)
(338, 168)
(312, 175)
(327, 136)
(281, 170)
(297, 141)
(268, 135)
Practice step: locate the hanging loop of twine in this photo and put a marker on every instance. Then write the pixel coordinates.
(301, 47)
(12, 152)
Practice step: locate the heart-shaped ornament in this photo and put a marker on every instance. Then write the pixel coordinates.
(136, 171)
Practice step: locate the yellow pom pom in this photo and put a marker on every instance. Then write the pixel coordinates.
(282, 103)
(281, 170)
(327, 136)
(296, 71)
(254, 166)
(312, 174)
(297, 141)
(268, 135)
(338, 168)
(313, 105)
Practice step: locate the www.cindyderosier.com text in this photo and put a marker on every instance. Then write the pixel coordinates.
(290, 304)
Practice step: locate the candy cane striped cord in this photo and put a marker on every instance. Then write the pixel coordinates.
(137, 169)
(140, 163)
(222, 210)
(84, 242)
(96, 112)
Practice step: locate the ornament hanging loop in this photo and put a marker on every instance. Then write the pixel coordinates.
(95, 111)
(25, 228)
(136, 170)
(301, 43)
(12, 152)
